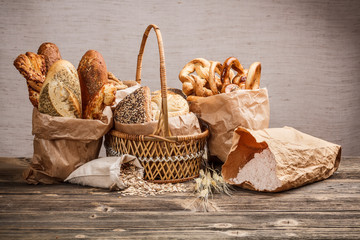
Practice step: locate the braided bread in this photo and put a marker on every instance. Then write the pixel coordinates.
(32, 67)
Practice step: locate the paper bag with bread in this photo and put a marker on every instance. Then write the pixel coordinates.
(225, 100)
(278, 159)
(70, 116)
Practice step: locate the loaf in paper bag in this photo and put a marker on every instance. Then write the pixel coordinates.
(278, 159)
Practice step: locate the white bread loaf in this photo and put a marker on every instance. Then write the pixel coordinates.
(61, 94)
(177, 105)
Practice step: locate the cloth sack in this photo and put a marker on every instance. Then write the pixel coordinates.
(104, 172)
(278, 159)
(63, 144)
(225, 112)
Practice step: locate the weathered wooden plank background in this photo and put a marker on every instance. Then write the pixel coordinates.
(309, 50)
(328, 209)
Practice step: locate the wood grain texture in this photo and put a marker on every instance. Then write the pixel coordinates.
(327, 209)
(309, 51)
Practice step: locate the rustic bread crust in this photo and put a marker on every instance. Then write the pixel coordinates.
(93, 75)
(51, 53)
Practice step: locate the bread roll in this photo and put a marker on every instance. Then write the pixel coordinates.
(51, 53)
(93, 75)
(61, 94)
(177, 105)
(135, 107)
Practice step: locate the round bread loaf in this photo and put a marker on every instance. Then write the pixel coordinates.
(51, 53)
(177, 105)
(93, 75)
(60, 94)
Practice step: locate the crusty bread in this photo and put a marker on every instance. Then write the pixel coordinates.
(177, 105)
(105, 97)
(51, 53)
(93, 75)
(135, 107)
(61, 94)
(32, 67)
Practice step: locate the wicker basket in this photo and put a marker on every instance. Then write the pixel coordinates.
(165, 158)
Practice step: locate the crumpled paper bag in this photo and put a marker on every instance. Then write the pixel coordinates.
(63, 144)
(187, 124)
(225, 112)
(299, 158)
(104, 172)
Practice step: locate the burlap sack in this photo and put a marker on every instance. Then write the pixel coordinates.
(63, 144)
(297, 159)
(225, 112)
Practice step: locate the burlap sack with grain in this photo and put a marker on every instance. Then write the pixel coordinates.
(63, 144)
(278, 159)
(225, 112)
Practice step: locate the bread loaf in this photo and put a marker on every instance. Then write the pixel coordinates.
(95, 92)
(177, 105)
(61, 94)
(135, 107)
(51, 53)
(32, 67)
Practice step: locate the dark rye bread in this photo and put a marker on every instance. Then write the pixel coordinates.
(134, 108)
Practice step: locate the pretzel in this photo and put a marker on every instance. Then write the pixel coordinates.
(200, 87)
(240, 79)
(229, 63)
(214, 81)
(198, 65)
(253, 76)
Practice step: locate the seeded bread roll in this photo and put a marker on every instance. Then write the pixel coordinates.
(96, 92)
(61, 94)
(134, 108)
(51, 53)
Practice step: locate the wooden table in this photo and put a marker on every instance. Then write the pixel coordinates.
(328, 209)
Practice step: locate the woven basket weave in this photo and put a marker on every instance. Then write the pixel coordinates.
(165, 158)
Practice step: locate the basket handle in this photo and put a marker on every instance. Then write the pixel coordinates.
(163, 124)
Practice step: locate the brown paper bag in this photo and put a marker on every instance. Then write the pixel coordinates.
(225, 112)
(63, 144)
(187, 124)
(278, 159)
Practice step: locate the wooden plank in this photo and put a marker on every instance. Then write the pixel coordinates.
(144, 224)
(328, 209)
